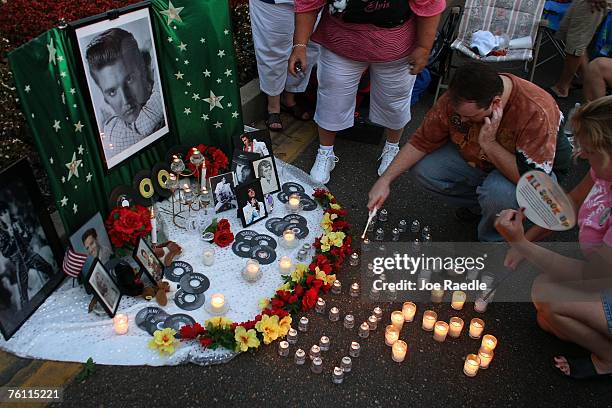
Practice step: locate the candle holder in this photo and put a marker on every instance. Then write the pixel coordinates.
(366, 245)
(489, 342)
(399, 350)
(402, 226)
(292, 336)
(218, 305)
(303, 324)
(455, 327)
(429, 319)
(354, 349)
(486, 356)
(320, 306)
(334, 314)
(395, 234)
(476, 328)
(294, 203)
(458, 300)
(285, 265)
(364, 330)
(209, 255)
(383, 215)
(354, 259)
(324, 343)
(471, 365)
(440, 331)
(307, 247)
(372, 322)
(349, 321)
(354, 290)
(374, 293)
(480, 305)
(370, 270)
(252, 271)
(317, 365)
(283, 348)
(300, 357)
(289, 240)
(120, 323)
(391, 335)
(416, 245)
(336, 287)
(302, 255)
(409, 310)
(380, 234)
(415, 226)
(437, 295)
(315, 351)
(346, 364)
(338, 375)
(397, 319)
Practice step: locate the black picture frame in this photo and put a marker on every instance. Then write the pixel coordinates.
(261, 140)
(269, 184)
(136, 21)
(222, 201)
(104, 287)
(242, 167)
(30, 244)
(242, 196)
(145, 265)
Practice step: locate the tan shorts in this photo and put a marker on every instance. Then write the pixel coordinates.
(578, 27)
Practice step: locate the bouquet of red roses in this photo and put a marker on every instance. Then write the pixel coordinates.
(222, 231)
(214, 158)
(125, 225)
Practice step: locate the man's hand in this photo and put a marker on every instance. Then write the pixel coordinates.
(378, 194)
(513, 259)
(488, 131)
(597, 5)
(297, 57)
(510, 225)
(418, 59)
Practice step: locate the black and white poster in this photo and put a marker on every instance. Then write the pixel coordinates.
(265, 170)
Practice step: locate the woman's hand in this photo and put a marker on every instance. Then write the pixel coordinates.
(510, 225)
(418, 59)
(297, 58)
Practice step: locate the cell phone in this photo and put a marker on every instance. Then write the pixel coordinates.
(298, 70)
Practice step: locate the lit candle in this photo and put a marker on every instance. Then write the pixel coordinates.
(324, 343)
(153, 227)
(294, 203)
(283, 348)
(458, 300)
(120, 323)
(303, 324)
(217, 303)
(391, 335)
(209, 255)
(354, 349)
(334, 314)
(349, 321)
(203, 177)
(317, 365)
(354, 291)
(300, 357)
(354, 259)
(485, 357)
(364, 330)
(472, 362)
(437, 295)
(372, 322)
(289, 240)
(476, 328)
(399, 350)
(338, 375)
(336, 287)
(378, 313)
(320, 306)
(285, 265)
(440, 331)
(408, 310)
(489, 342)
(397, 319)
(252, 270)
(346, 364)
(292, 336)
(455, 327)
(429, 319)
(315, 351)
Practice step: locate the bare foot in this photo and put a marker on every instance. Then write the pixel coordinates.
(562, 364)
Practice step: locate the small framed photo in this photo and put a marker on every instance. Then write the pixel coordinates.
(257, 142)
(104, 287)
(149, 263)
(265, 170)
(92, 239)
(251, 203)
(241, 166)
(223, 191)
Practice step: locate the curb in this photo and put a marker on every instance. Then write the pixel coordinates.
(253, 102)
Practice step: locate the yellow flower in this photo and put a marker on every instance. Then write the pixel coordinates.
(164, 341)
(332, 239)
(264, 303)
(284, 325)
(329, 195)
(298, 273)
(328, 221)
(220, 322)
(245, 339)
(268, 326)
(327, 279)
(330, 279)
(284, 286)
(335, 206)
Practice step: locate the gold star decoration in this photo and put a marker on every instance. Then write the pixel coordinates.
(173, 13)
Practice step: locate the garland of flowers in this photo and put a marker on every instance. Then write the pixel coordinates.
(214, 158)
(299, 293)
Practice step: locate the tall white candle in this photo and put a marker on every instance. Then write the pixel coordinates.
(203, 177)
(153, 227)
(209, 256)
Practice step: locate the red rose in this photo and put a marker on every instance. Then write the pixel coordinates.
(292, 299)
(298, 290)
(191, 332)
(277, 303)
(223, 238)
(223, 224)
(205, 341)
(310, 298)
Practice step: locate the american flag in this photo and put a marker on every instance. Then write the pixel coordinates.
(73, 263)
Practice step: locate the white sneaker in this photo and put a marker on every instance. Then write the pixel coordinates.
(324, 163)
(386, 157)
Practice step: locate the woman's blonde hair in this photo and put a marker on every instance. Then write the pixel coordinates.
(592, 123)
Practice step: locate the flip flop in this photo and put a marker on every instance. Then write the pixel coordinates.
(555, 94)
(582, 368)
(274, 118)
(297, 111)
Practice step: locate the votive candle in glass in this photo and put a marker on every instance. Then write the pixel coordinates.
(377, 312)
(317, 365)
(293, 203)
(336, 287)
(292, 336)
(391, 335)
(354, 349)
(480, 305)
(285, 264)
(289, 239)
(458, 300)
(408, 310)
(283, 348)
(334, 314)
(252, 271)
(485, 357)
(324, 343)
(338, 375)
(372, 322)
(354, 290)
(300, 357)
(437, 295)
(354, 259)
(217, 304)
(346, 364)
(383, 215)
(209, 255)
(440, 331)
(471, 365)
(315, 351)
(349, 321)
(429, 320)
(455, 327)
(320, 306)
(397, 319)
(374, 293)
(476, 328)
(364, 330)
(399, 350)
(489, 342)
(303, 324)
(120, 323)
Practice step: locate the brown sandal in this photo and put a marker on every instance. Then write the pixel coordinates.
(274, 118)
(297, 111)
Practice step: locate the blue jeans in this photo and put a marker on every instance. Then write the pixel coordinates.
(446, 174)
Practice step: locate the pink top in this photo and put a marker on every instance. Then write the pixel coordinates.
(595, 216)
(367, 42)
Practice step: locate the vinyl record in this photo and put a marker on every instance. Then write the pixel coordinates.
(143, 185)
(246, 235)
(144, 313)
(308, 204)
(283, 197)
(270, 222)
(264, 254)
(281, 227)
(242, 248)
(176, 321)
(155, 322)
(296, 219)
(179, 151)
(160, 174)
(292, 187)
(122, 196)
(264, 240)
(188, 301)
(194, 283)
(176, 270)
(301, 231)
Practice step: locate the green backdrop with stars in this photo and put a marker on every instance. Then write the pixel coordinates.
(198, 74)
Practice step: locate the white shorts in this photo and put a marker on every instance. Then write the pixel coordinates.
(390, 91)
(272, 26)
